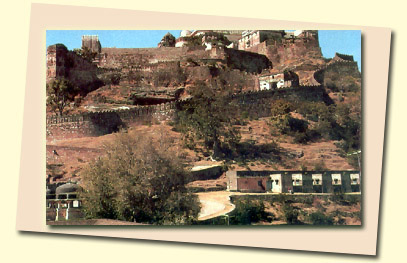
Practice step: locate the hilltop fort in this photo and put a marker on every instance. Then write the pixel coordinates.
(246, 110)
(265, 70)
(150, 78)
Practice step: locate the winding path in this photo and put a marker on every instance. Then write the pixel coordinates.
(214, 204)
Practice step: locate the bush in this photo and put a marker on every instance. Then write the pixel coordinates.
(319, 218)
(280, 107)
(319, 166)
(139, 180)
(279, 199)
(289, 125)
(301, 138)
(247, 212)
(291, 215)
(115, 79)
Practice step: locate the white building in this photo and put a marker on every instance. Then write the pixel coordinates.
(268, 82)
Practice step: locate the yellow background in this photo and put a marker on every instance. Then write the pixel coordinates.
(43, 247)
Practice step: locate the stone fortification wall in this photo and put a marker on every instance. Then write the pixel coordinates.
(289, 51)
(247, 61)
(105, 122)
(257, 103)
(339, 56)
(140, 57)
(339, 67)
(62, 63)
(146, 59)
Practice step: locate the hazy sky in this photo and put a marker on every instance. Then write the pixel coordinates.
(331, 41)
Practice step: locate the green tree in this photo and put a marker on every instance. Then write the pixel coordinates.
(86, 53)
(59, 93)
(290, 214)
(208, 118)
(139, 179)
(248, 211)
(280, 107)
(319, 218)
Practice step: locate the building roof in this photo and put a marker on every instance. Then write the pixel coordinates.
(67, 188)
(203, 167)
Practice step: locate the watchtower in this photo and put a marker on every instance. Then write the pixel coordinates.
(92, 43)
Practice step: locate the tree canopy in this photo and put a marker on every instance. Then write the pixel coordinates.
(208, 118)
(59, 93)
(140, 180)
(86, 53)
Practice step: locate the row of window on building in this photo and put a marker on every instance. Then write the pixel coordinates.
(317, 179)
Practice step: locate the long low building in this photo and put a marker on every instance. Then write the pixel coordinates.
(293, 181)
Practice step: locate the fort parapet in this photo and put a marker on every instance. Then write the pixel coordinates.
(142, 58)
(337, 66)
(105, 122)
(339, 56)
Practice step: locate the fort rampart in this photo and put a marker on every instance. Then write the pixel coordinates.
(289, 49)
(105, 122)
(146, 59)
(257, 103)
(345, 67)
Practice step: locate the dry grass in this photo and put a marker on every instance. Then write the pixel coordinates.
(74, 154)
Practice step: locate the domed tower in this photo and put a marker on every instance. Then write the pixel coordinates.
(65, 189)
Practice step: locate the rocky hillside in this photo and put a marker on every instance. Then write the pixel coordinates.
(292, 130)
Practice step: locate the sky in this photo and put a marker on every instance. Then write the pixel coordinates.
(342, 41)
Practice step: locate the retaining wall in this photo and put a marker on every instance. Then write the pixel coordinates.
(105, 122)
(257, 103)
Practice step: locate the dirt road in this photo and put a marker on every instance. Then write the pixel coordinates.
(214, 204)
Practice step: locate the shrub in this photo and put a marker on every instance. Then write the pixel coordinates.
(138, 180)
(319, 166)
(247, 212)
(279, 199)
(319, 218)
(115, 79)
(301, 138)
(291, 215)
(280, 107)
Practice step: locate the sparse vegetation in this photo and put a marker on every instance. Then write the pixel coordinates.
(169, 77)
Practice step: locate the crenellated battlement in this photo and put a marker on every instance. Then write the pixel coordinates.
(337, 64)
(126, 114)
(343, 57)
